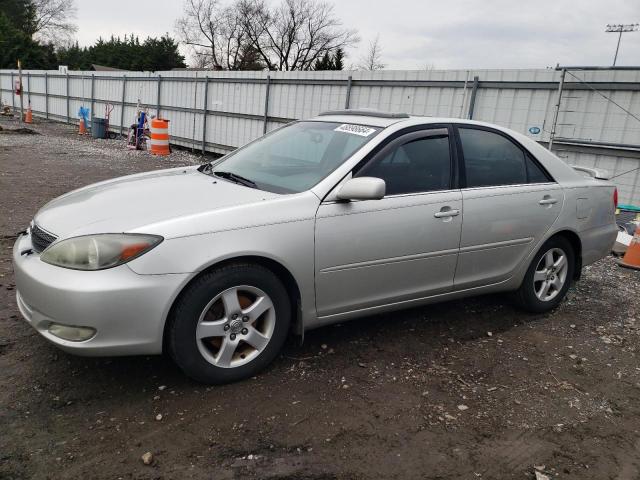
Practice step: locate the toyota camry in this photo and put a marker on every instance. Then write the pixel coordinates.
(345, 215)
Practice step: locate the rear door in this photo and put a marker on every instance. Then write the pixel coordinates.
(509, 202)
(401, 247)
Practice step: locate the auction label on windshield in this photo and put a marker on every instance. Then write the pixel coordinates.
(355, 129)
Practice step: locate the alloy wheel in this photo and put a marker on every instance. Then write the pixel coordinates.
(235, 326)
(550, 275)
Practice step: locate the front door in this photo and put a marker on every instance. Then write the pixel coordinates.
(402, 247)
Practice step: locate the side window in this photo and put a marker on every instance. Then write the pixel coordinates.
(535, 173)
(420, 165)
(491, 159)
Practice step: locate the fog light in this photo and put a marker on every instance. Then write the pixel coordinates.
(73, 334)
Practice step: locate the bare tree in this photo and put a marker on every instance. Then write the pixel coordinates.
(251, 34)
(372, 60)
(215, 33)
(201, 61)
(52, 20)
(294, 34)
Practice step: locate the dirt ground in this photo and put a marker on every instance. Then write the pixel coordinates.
(462, 390)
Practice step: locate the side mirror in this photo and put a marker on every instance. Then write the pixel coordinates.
(362, 188)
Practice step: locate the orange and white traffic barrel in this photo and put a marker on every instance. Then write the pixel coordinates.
(159, 137)
(631, 258)
(28, 116)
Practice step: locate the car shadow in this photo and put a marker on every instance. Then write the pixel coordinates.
(460, 320)
(421, 329)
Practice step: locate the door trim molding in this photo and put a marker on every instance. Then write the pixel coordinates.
(490, 246)
(386, 261)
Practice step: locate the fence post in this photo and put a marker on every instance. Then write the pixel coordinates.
(124, 89)
(13, 94)
(29, 88)
(204, 114)
(348, 99)
(557, 110)
(46, 95)
(472, 100)
(158, 97)
(93, 79)
(67, 88)
(266, 104)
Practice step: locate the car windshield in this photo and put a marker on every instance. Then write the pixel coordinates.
(294, 158)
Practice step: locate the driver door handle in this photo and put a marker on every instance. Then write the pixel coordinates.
(548, 201)
(447, 213)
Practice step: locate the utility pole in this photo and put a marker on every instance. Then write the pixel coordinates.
(620, 29)
(21, 100)
(557, 109)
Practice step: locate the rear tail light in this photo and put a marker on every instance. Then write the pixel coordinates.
(615, 198)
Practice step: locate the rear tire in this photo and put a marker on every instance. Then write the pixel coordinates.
(549, 276)
(229, 324)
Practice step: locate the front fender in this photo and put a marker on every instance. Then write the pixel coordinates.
(291, 244)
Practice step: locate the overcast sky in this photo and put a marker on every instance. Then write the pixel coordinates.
(418, 34)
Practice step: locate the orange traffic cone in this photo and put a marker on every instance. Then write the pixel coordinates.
(82, 128)
(631, 258)
(28, 117)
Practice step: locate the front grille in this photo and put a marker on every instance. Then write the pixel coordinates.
(41, 239)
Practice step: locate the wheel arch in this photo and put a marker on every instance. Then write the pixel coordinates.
(574, 239)
(283, 273)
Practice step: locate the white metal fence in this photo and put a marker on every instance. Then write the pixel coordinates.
(219, 111)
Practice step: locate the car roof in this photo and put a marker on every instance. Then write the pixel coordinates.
(371, 121)
(376, 118)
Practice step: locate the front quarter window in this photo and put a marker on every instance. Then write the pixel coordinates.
(297, 157)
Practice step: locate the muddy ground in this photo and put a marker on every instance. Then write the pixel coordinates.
(462, 390)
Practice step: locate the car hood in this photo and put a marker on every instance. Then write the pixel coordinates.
(133, 202)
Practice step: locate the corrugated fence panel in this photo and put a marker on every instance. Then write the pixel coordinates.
(5, 90)
(58, 85)
(628, 185)
(523, 100)
(232, 131)
(587, 115)
(236, 97)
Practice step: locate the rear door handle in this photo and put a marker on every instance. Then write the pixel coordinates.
(548, 201)
(447, 212)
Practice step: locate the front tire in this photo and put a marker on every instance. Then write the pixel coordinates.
(229, 324)
(549, 276)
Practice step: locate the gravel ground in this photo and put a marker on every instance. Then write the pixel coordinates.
(461, 390)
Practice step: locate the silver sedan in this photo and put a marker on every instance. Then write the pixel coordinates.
(344, 215)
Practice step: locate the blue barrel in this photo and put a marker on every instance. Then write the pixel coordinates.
(98, 127)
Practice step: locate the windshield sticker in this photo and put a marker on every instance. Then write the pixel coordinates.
(355, 130)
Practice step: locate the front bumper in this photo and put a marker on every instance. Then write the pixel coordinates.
(127, 310)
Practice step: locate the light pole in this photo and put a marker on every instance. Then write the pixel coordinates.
(21, 98)
(620, 29)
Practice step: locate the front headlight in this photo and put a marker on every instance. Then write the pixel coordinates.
(97, 252)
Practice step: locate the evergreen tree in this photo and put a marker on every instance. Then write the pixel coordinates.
(324, 63)
(16, 45)
(161, 54)
(338, 59)
(330, 61)
(20, 14)
(250, 59)
(74, 57)
(128, 54)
